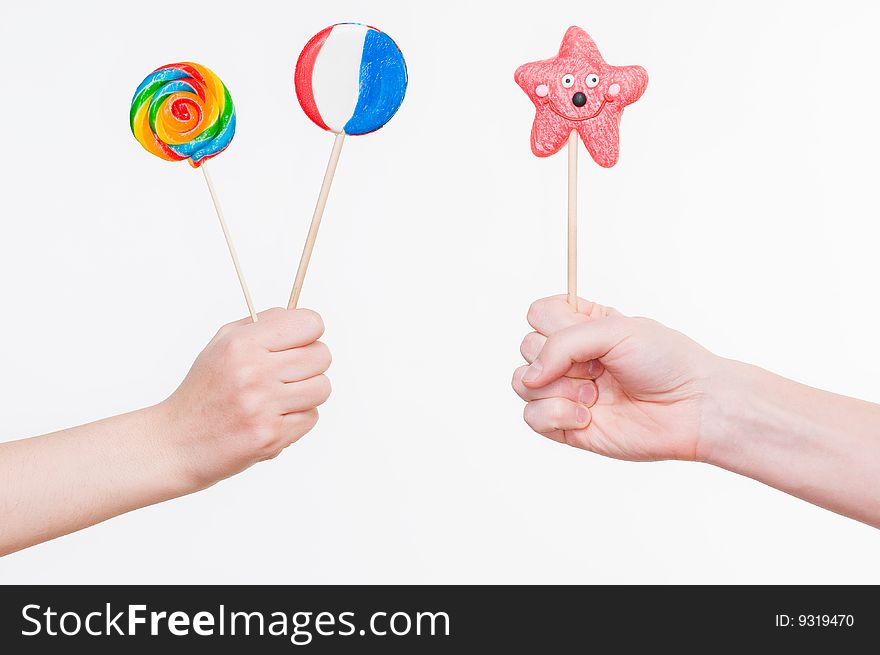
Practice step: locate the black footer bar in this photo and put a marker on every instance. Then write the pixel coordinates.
(428, 619)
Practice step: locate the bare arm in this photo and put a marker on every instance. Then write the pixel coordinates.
(250, 394)
(816, 445)
(65, 481)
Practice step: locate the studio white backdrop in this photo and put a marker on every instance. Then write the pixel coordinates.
(743, 212)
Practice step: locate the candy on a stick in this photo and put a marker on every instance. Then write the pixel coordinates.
(576, 94)
(184, 111)
(350, 79)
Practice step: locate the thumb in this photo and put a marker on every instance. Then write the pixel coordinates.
(578, 343)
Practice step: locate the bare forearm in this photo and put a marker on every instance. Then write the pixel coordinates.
(251, 393)
(68, 480)
(816, 445)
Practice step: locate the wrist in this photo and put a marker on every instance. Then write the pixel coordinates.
(171, 457)
(753, 420)
(728, 408)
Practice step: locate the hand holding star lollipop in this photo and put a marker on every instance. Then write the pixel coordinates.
(183, 111)
(350, 79)
(577, 94)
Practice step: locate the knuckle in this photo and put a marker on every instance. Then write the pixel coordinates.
(534, 313)
(325, 357)
(273, 453)
(266, 443)
(531, 345)
(249, 406)
(311, 321)
(527, 414)
(245, 379)
(531, 416)
(310, 419)
(516, 379)
(304, 423)
(324, 388)
(235, 350)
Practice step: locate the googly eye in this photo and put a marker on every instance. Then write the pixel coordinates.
(568, 80)
(592, 80)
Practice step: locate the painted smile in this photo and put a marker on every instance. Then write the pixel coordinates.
(577, 119)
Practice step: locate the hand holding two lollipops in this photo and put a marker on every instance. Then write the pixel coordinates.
(183, 111)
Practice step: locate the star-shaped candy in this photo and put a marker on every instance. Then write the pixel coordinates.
(577, 90)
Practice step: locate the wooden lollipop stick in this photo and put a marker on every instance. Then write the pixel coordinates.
(235, 262)
(572, 218)
(316, 221)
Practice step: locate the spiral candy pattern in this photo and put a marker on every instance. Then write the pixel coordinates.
(183, 111)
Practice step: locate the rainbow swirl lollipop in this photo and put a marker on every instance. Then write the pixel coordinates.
(183, 111)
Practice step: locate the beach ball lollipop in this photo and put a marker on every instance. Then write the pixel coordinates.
(350, 79)
(184, 111)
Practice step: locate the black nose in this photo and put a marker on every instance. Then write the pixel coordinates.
(579, 99)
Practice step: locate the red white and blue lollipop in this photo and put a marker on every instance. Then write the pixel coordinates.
(350, 79)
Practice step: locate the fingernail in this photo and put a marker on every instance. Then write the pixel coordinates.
(582, 414)
(587, 395)
(533, 372)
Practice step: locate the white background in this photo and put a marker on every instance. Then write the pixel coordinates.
(743, 212)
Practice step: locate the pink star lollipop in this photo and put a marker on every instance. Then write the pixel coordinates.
(576, 94)
(576, 90)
